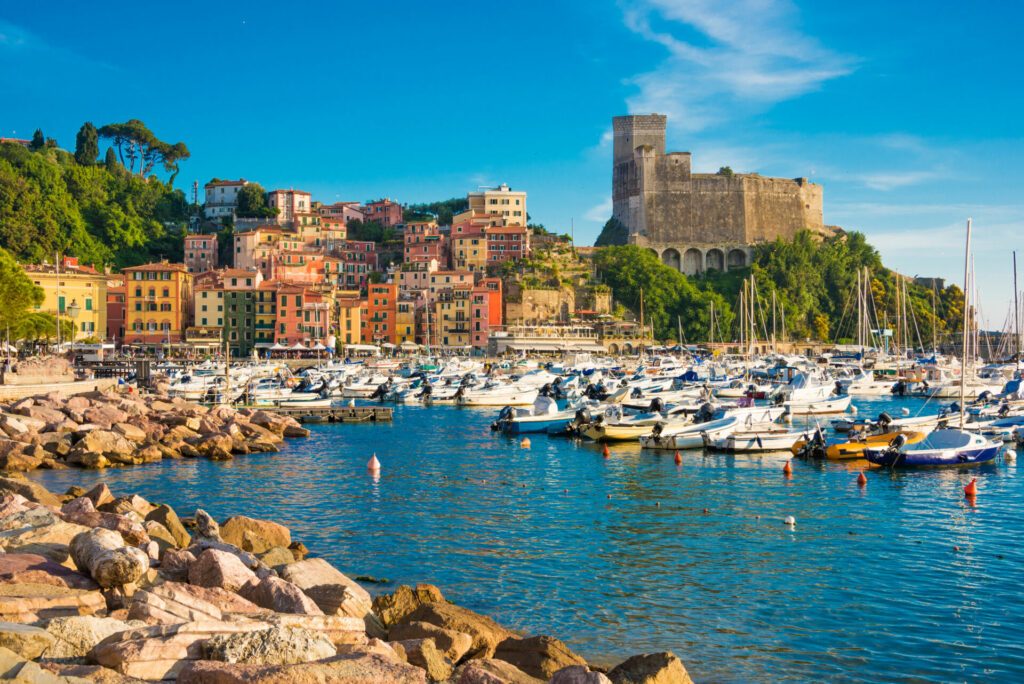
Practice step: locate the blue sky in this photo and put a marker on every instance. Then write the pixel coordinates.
(907, 113)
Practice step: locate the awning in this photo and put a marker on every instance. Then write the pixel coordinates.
(319, 347)
(298, 346)
(409, 344)
(278, 347)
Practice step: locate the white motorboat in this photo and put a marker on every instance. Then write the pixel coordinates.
(691, 435)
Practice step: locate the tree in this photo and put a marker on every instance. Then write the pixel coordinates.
(725, 171)
(613, 233)
(252, 202)
(38, 141)
(110, 161)
(135, 142)
(18, 293)
(87, 144)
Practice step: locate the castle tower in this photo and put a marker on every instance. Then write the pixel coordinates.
(638, 141)
(630, 132)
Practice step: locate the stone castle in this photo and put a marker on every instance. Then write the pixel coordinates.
(700, 221)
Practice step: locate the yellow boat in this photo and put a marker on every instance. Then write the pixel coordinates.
(855, 448)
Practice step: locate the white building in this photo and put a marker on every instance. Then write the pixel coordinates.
(222, 197)
(290, 204)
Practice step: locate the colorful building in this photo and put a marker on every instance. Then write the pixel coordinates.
(486, 311)
(222, 197)
(348, 314)
(265, 320)
(507, 243)
(73, 291)
(208, 301)
(359, 259)
(200, 252)
(381, 317)
(405, 319)
(115, 308)
(423, 241)
(469, 251)
(289, 204)
(443, 280)
(452, 316)
(240, 288)
(158, 303)
(500, 201)
(414, 277)
(385, 212)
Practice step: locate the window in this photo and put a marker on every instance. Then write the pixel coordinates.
(282, 328)
(203, 321)
(167, 293)
(138, 306)
(88, 304)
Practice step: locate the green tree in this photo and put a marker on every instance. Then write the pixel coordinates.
(442, 211)
(725, 171)
(252, 202)
(110, 161)
(18, 294)
(135, 142)
(613, 233)
(38, 141)
(87, 144)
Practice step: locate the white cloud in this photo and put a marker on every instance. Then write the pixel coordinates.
(750, 56)
(601, 212)
(892, 180)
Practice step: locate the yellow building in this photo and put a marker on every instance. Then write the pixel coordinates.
(452, 313)
(500, 201)
(348, 308)
(79, 293)
(208, 300)
(405, 321)
(158, 303)
(469, 252)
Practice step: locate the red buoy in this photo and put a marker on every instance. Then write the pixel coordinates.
(605, 452)
(787, 469)
(679, 459)
(861, 480)
(971, 490)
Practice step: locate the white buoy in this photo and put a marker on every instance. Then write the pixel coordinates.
(905, 411)
(373, 464)
(1010, 456)
(790, 520)
(352, 403)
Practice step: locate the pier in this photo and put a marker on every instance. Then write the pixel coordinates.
(335, 414)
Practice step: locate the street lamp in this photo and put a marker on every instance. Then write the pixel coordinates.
(73, 310)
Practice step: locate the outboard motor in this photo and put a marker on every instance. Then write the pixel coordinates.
(503, 417)
(636, 393)
(884, 420)
(838, 388)
(898, 442)
(984, 396)
(545, 391)
(657, 405)
(1004, 410)
(899, 389)
(705, 412)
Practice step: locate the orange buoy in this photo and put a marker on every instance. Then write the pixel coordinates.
(679, 459)
(861, 480)
(605, 452)
(787, 469)
(971, 490)
(373, 464)
(525, 443)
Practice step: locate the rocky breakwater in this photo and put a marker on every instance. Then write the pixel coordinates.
(104, 429)
(104, 588)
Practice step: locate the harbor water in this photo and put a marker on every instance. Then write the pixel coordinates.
(902, 579)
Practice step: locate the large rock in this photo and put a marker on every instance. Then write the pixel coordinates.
(651, 668)
(218, 447)
(28, 642)
(30, 490)
(207, 528)
(103, 553)
(215, 568)
(280, 596)
(132, 433)
(485, 632)
(538, 656)
(342, 669)
(45, 538)
(100, 495)
(106, 444)
(82, 512)
(275, 645)
(13, 667)
(332, 591)
(395, 607)
(489, 671)
(13, 427)
(453, 645)
(166, 516)
(173, 602)
(423, 653)
(256, 536)
(579, 674)
(29, 603)
(74, 637)
(107, 416)
(174, 564)
(28, 568)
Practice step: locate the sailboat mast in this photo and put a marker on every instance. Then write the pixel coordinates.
(966, 323)
(1016, 307)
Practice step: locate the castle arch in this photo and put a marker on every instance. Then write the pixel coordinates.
(715, 260)
(613, 348)
(693, 262)
(627, 348)
(670, 257)
(737, 259)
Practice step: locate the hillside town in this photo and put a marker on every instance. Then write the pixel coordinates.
(295, 283)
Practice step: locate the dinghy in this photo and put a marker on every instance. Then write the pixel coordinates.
(942, 448)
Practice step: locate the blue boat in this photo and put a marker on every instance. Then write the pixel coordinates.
(941, 448)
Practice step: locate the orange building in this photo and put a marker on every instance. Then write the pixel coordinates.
(381, 323)
(158, 303)
(486, 312)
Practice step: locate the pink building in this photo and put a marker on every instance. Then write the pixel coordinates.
(507, 243)
(384, 212)
(289, 204)
(358, 258)
(344, 211)
(200, 253)
(414, 277)
(424, 242)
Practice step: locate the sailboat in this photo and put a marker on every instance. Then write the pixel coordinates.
(945, 447)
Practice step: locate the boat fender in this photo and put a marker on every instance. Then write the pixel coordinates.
(1010, 456)
(790, 520)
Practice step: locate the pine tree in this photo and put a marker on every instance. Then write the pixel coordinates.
(38, 141)
(110, 161)
(87, 146)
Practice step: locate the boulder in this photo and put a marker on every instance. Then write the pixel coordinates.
(651, 668)
(332, 591)
(49, 539)
(344, 632)
(13, 427)
(277, 557)
(107, 416)
(342, 669)
(82, 512)
(280, 596)
(103, 553)
(81, 674)
(579, 674)
(174, 564)
(161, 535)
(28, 642)
(105, 443)
(27, 568)
(99, 495)
(254, 535)
(132, 433)
(538, 656)
(30, 490)
(15, 668)
(453, 645)
(21, 460)
(485, 632)
(166, 516)
(489, 671)
(74, 637)
(31, 515)
(395, 607)
(216, 447)
(207, 528)
(28, 602)
(215, 568)
(276, 645)
(423, 653)
(133, 505)
(173, 602)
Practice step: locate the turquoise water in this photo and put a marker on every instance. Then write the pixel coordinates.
(899, 581)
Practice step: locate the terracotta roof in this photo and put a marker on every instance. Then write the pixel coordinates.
(158, 266)
(240, 181)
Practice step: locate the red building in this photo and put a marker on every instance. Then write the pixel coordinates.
(423, 242)
(384, 212)
(381, 322)
(358, 258)
(115, 309)
(507, 243)
(200, 253)
(486, 310)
